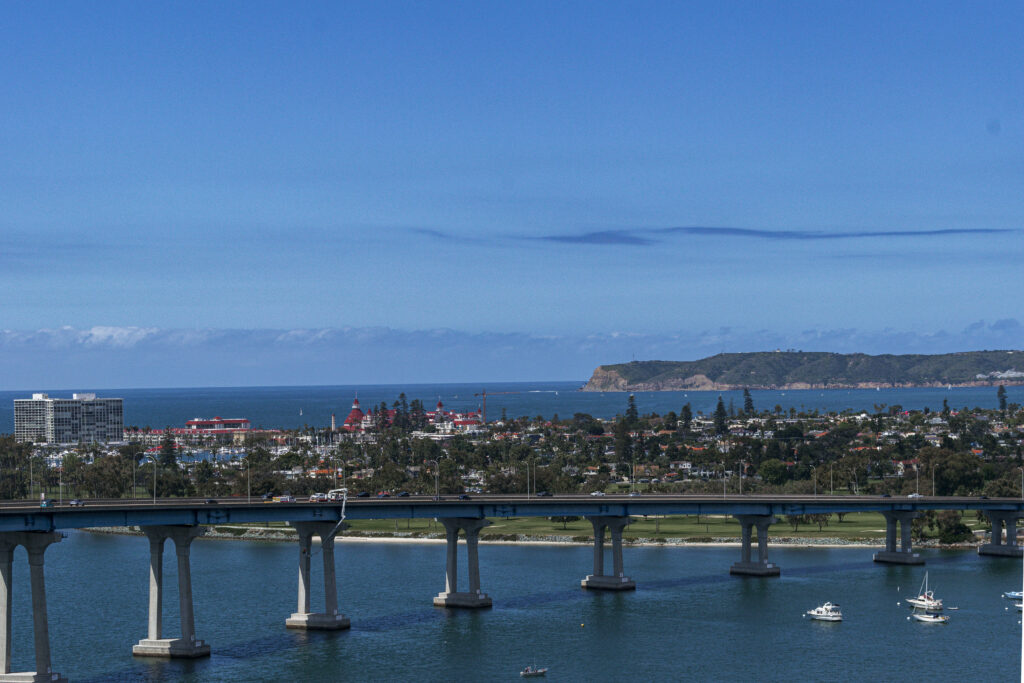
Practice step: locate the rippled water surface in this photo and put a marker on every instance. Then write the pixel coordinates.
(688, 619)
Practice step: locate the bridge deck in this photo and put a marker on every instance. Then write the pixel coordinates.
(22, 516)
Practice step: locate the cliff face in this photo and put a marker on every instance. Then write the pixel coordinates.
(605, 379)
(799, 370)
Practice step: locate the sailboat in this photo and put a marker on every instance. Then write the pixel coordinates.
(926, 600)
(533, 671)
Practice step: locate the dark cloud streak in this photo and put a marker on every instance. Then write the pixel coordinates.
(643, 237)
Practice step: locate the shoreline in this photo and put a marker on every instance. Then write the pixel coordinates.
(280, 534)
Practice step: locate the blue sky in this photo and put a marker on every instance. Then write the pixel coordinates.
(256, 193)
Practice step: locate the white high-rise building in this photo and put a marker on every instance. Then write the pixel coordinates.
(83, 418)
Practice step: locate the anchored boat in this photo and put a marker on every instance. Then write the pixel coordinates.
(826, 612)
(926, 600)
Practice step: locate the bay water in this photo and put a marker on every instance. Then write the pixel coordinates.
(687, 620)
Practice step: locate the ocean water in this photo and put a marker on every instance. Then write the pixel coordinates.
(294, 407)
(687, 620)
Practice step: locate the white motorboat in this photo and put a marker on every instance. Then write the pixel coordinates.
(533, 671)
(826, 612)
(926, 599)
(924, 617)
(1014, 595)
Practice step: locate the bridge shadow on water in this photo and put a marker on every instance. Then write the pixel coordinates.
(161, 671)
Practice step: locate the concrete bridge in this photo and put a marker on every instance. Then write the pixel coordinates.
(182, 521)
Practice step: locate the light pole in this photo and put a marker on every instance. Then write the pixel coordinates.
(527, 480)
(831, 491)
(917, 475)
(933, 480)
(437, 479)
(248, 480)
(154, 477)
(814, 476)
(741, 477)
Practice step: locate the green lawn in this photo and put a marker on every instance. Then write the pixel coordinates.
(869, 525)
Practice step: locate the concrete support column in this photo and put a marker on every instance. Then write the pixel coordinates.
(745, 534)
(36, 543)
(995, 546)
(303, 618)
(182, 546)
(905, 553)
(598, 545)
(906, 528)
(187, 646)
(618, 581)
(40, 627)
(890, 534)
(451, 597)
(451, 573)
(746, 566)
(156, 587)
(616, 527)
(762, 540)
(330, 578)
(473, 556)
(305, 544)
(6, 565)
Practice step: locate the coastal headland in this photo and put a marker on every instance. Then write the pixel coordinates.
(791, 370)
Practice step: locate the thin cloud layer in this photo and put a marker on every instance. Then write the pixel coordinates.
(653, 236)
(132, 356)
(649, 236)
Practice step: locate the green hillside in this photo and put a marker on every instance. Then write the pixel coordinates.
(796, 369)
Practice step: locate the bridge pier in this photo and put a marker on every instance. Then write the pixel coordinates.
(451, 597)
(762, 567)
(154, 644)
(996, 546)
(617, 580)
(35, 543)
(905, 553)
(329, 619)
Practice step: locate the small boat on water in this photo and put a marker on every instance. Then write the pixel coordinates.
(1014, 595)
(928, 618)
(826, 612)
(926, 600)
(533, 671)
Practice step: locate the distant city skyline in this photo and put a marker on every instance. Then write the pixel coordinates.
(234, 194)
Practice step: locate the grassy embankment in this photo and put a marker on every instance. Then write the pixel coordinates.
(855, 526)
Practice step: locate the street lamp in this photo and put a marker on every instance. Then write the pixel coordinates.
(814, 476)
(831, 491)
(154, 477)
(437, 479)
(248, 479)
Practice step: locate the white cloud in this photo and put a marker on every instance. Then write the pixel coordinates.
(111, 356)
